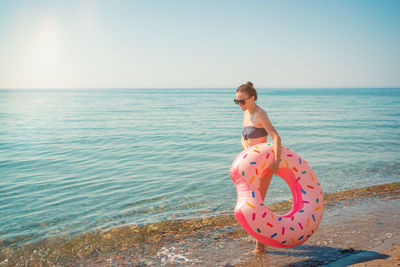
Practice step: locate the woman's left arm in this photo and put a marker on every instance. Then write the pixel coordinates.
(266, 123)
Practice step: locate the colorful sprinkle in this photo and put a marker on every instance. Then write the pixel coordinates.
(283, 230)
(305, 201)
(302, 190)
(317, 200)
(252, 194)
(267, 156)
(253, 163)
(262, 167)
(317, 208)
(257, 147)
(294, 242)
(252, 179)
(270, 225)
(291, 228)
(287, 164)
(265, 214)
(258, 230)
(280, 219)
(300, 160)
(242, 173)
(294, 169)
(313, 217)
(298, 178)
(256, 151)
(301, 237)
(304, 172)
(301, 211)
(301, 226)
(250, 205)
(309, 186)
(254, 216)
(256, 171)
(308, 222)
(290, 155)
(312, 178)
(272, 236)
(245, 156)
(292, 218)
(283, 242)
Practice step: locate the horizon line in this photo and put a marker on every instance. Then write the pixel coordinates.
(186, 88)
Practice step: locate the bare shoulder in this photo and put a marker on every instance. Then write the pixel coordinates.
(261, 113)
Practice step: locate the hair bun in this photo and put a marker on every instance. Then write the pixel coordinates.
(248, 89)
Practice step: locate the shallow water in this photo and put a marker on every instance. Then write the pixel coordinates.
(353, 220)
(73, 161)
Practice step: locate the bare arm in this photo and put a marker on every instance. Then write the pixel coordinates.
(244, 143)
(266, 123)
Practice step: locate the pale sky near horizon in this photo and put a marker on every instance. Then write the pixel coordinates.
(199, 44)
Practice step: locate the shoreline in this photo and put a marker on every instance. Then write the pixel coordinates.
(189, 241)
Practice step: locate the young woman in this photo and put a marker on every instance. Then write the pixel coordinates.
(256, 128)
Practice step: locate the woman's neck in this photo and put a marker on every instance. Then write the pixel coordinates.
(252, 109)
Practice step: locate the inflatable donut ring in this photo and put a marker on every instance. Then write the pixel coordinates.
(288, 230)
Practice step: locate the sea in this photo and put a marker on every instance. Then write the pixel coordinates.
(78, 160)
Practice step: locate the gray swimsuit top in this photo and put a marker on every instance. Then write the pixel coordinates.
(253, 132)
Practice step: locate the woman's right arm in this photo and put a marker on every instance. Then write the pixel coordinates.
(244, 143)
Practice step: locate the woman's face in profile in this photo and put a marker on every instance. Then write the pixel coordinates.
(246, 99)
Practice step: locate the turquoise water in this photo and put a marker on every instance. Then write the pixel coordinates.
(77, 160)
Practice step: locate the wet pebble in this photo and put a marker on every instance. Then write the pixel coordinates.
(349, 250)
(93, 253)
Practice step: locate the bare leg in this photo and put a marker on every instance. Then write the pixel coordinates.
(264, 184)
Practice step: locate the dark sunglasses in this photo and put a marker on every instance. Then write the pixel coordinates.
(241, 101)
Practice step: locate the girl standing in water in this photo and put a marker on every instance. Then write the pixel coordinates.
(256, 128)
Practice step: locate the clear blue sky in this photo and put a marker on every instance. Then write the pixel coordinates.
(199, 44)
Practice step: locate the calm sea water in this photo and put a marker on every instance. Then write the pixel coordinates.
(77, 160)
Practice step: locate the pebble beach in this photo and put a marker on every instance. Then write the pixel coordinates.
(359, 227)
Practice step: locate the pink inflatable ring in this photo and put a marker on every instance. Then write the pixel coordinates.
(288, 230)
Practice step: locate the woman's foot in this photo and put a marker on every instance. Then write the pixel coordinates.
(260, 249)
